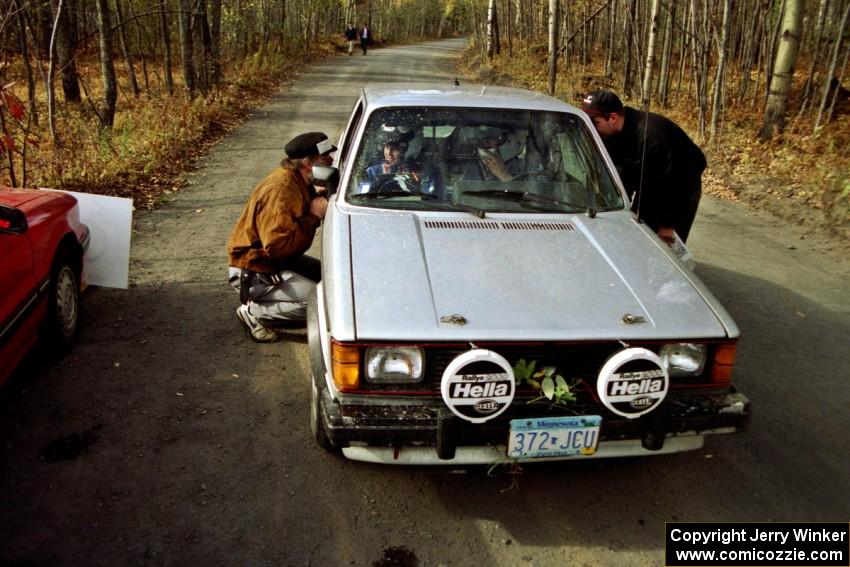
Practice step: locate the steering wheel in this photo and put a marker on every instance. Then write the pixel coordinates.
(525, 174)
(389, 182)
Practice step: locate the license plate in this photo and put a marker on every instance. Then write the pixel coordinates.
(542, 437)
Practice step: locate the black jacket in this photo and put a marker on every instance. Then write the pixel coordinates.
(351, 34)
(672, 166)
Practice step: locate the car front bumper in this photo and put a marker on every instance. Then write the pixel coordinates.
(424, 431)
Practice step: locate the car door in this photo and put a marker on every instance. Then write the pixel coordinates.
(19, 296)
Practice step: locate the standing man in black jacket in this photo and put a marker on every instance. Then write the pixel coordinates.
(351, 34)
(660, 166)
(365, 37)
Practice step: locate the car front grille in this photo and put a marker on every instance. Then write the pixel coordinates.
(575, 362)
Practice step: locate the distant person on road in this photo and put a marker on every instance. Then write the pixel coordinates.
(266, 247)
(365, 37)
(661, 167)
(350, 37)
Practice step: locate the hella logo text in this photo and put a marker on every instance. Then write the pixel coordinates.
(488, 390)
(642, 402)
(634, 387)
(486, 406)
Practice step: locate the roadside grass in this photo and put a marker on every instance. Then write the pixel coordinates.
(155, 137)
(799, 176)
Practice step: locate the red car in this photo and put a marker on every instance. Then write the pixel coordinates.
(42, 243)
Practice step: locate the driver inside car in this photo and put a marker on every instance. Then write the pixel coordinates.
(397, 172)
(395, 149)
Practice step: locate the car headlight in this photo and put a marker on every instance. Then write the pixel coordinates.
(683, 359)
(394, 365)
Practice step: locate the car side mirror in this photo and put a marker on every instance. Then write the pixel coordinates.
(12, 221)
(326, 176)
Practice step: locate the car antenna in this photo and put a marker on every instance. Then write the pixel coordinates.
(457, 51)
(645, 108)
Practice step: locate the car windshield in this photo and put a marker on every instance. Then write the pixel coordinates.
(483, 160)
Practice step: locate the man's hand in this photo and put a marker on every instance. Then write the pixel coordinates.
(493, 161)
(318, 206)
(667, 234)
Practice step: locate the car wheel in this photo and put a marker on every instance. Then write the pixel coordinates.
(317, 374)
(63, 309)
(317, 420)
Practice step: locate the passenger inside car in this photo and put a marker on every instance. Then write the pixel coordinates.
(498, 154)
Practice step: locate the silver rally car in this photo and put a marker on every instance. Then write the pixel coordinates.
(488, 295)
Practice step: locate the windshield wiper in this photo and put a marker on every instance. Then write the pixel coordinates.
(429, 198)
(500, 193)
(480, 213)
(387, 194)
(550, 200)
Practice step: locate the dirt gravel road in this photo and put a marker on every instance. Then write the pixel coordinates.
(168, 438)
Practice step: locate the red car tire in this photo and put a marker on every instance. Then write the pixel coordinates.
(62, 322)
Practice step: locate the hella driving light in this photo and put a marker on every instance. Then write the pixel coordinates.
(394, 365)
(683, 359)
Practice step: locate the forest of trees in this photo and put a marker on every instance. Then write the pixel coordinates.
(72, 66)
(715, 53)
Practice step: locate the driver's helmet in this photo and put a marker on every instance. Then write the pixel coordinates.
(402, 136)
(509, 142)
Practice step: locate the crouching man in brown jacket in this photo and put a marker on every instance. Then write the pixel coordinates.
(266, 248)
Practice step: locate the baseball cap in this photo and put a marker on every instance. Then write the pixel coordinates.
(601, 102)
(308, 144)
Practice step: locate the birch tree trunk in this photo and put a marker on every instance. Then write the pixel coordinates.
(31, 95)
(215, 32)
(721, 68)
(646, 89)
(553, 45)
(839, 35)
(166, 44)
(491, 18)
(51, 91)
(783, 68)
(629, 33)
(65, 55)
(184, 13)
(818, 33)
(125, 49)
(664, 76)
(110, 87)
(140, 43)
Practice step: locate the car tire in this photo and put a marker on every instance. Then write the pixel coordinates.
(317, 420)
(61, 325)
(317, 373)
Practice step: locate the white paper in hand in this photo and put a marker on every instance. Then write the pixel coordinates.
(680, 250)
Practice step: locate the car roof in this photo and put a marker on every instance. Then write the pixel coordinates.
(379, 95)
(19, 197)
(16, 197)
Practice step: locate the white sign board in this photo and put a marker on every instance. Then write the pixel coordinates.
(107, 261)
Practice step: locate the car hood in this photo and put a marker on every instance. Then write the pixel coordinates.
(418, 277)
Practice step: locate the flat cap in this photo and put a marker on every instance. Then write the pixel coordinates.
(601, 102)
(308, 144)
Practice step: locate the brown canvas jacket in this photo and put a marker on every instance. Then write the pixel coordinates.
(275, 224)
